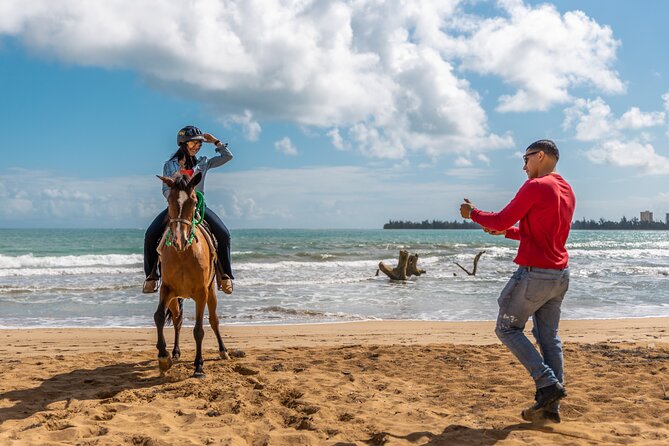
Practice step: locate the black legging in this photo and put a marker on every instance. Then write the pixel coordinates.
(157, 227)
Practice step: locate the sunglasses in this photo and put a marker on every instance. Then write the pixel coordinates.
(527, 156)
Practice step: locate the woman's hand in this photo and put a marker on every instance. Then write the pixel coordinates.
(208, 137)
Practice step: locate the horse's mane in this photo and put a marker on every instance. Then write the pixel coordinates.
(180, 181)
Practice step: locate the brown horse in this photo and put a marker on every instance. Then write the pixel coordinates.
(187, 269)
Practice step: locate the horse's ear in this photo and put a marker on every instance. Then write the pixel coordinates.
(195, 180)
(168, 181)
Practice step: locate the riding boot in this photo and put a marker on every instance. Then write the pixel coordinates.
(152, 238)
(152, 282)
(224, 282)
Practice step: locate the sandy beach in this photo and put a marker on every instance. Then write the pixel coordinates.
(367, 383)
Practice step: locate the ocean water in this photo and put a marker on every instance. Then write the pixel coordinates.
(93, 278)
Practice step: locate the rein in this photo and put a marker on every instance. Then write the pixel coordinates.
(199, 212)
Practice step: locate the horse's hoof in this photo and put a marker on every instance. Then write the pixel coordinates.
(224, 354)
(176, 356)
(164, 363)
(198, 375)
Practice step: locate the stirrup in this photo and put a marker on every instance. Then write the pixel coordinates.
(150, 286)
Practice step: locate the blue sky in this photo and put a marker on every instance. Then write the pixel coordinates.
(339, 114)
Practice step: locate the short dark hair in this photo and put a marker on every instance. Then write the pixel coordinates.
(545, 145)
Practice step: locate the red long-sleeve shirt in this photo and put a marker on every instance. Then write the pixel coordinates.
(545, 207)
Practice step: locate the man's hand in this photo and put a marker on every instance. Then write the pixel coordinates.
(493, 232)
(466, 208)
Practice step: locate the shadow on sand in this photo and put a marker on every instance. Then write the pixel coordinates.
(456, 434)
(84, 384)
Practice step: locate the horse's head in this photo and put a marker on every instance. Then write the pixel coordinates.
(181, 204)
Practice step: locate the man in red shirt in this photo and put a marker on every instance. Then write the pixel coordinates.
(544, 206)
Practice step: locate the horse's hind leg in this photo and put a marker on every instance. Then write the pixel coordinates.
(213, 321)
(164, 361)
(176, 308)
(198, 334)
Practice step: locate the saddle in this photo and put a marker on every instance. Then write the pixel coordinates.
(208, 235)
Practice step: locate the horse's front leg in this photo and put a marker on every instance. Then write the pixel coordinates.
(198, 333)
(164, 361)
(176, 308)
(212, 302)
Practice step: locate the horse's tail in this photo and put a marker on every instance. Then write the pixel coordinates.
(168, 313)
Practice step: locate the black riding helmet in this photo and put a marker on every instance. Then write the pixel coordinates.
(189, 133)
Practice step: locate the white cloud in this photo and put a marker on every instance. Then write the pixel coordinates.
(16, 208)
(468, 173)
(250, 127)
(315, 197)
(466, 162)
(285, 146)
(617, 144)
(630, 154)
(540, 52)
(594, 120)
(30, 197)
(247, 209)
(636, 119)
(373, 142)
(382, 72)
(483, 158)
(335, 196)
(337, 141)
(402, 165)
(665, 98)
(69, 195)
(461, 161)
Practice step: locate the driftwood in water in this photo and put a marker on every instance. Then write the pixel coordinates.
(412, 266)
(407, 266)
(476, 262)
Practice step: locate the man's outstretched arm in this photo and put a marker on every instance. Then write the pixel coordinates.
(507, 217)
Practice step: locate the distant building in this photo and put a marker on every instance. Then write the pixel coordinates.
(647, 216)
(667, 220)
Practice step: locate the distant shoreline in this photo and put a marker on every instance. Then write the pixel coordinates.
(601, 225)
(579, 229)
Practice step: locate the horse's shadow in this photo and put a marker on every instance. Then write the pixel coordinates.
(82, 384)
(465, 435)
(458, 434)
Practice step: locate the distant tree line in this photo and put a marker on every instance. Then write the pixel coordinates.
(624, 223)
(434, 224)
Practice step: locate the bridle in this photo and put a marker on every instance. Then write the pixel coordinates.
(180, 220)
(199, 209)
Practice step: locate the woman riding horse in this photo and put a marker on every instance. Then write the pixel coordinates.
(187, 269)
(189, 140)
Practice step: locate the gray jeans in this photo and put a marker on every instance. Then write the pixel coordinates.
(535, 292)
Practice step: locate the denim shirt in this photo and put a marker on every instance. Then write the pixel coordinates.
(203, 164)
